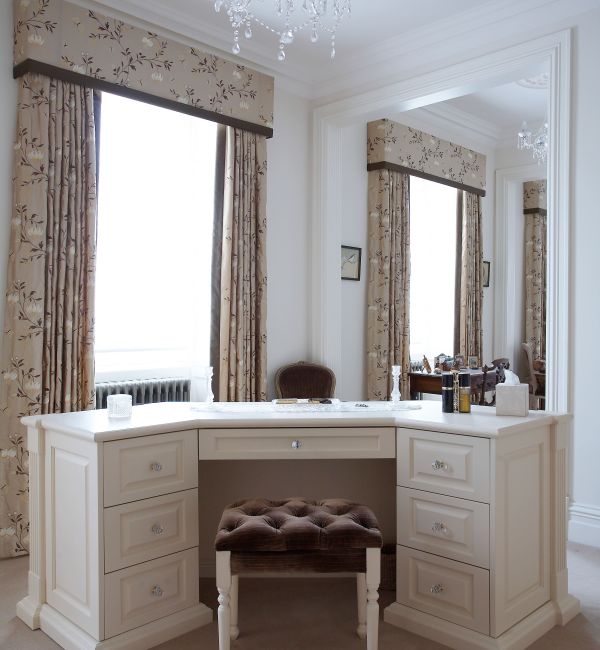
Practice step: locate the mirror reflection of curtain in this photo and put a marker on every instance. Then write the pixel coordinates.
(470, 290)
(388, 282)
(534, 207)
(48, 360)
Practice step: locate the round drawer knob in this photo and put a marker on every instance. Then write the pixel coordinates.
(157, 529)
(157, 591)
(439, 527)
(437, 589)
(439, 464)
(296, 444)
(156, 467)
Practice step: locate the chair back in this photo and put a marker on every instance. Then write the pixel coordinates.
(303, 380)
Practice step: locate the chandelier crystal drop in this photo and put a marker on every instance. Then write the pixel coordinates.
(320, 16)
(537, 142)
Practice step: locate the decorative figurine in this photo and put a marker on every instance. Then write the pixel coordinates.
(426, 365)
(396, 387)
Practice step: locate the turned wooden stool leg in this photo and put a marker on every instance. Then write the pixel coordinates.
(233, 624)
(224, 588)
(373, 579)
(361, 601)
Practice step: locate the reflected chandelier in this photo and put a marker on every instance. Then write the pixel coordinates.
(537, 143)
(319, 15)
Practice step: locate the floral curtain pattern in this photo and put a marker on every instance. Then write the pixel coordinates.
(389, 141)
(47, 356)
(471, 279)
(388, 325)
(534, 207)
(71, 37)
(243, 319)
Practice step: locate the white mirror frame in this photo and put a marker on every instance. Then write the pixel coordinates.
(495, 68)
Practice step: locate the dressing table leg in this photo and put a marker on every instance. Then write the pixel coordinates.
(373, 580)
(224, 588)
(361, 601)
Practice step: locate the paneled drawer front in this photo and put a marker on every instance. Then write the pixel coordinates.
(325, 442)
(148, 591)
(139, 468)
(454, 591)
(147, 529)
(455, 528)
(445, 463)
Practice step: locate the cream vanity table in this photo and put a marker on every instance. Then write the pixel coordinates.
(481, 517)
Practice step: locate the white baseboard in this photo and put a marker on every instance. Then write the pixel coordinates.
(584, 524)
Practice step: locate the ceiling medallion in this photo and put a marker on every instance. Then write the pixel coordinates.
(321, 16)
(538, 82)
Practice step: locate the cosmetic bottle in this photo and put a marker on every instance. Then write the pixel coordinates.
(447, 392)
(464, 392)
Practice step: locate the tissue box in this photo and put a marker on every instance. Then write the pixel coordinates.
(512, 400)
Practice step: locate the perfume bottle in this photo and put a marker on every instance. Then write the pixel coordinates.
(447, 392)
(464, 392)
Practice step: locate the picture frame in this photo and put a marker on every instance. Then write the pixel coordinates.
(486, 274)
(350, 262)
(473, 363)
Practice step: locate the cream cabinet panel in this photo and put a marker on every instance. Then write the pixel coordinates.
(151, 590)
(446, 463)
(326, 442)
(451, 590)
(147, 529)
(139, 468)
(451, 527)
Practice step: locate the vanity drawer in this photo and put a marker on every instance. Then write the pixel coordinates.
(148, 591)
(451, 590)
(147, 529)
(445, 463)
(139, 468)
(454, 528)
(294, 442)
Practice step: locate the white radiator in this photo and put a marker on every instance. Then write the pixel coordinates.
(145, 391)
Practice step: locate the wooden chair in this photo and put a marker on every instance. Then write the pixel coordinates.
(498, 366)
(537, 381)
(304, 380)
(330, 536)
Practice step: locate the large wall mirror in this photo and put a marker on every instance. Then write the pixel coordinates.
(484, 111)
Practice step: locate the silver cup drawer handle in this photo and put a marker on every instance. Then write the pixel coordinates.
(156, 467)
(157, 591)
(296, 444)
(437, 589)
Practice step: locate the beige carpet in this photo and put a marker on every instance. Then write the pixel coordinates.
(314, 614)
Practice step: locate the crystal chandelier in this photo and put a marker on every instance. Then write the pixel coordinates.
(318, 15)
(537, 143)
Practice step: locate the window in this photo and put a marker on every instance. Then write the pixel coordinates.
(155, 218)
(432, 276)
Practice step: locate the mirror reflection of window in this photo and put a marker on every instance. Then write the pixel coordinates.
(432, 260)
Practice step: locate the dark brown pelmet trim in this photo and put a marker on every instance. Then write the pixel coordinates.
(37, 67)
(542, 211)
(217, 248)
(428, 177)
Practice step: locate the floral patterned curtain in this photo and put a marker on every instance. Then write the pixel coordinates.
(388, 325)
(47, 356)
(534, 199)
(471, 277)
(243, 318)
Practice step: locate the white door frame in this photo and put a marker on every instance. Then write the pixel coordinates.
(494, 68)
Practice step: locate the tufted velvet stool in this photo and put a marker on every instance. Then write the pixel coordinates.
(257, 535)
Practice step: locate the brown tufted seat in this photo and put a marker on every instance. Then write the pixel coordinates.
(296, 534)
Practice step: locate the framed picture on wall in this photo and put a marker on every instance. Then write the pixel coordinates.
(350, 263)
(486, 274)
